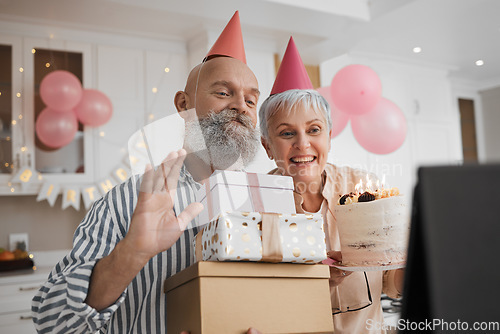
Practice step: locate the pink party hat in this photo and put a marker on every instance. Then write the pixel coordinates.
(230, 41)
(292, 73)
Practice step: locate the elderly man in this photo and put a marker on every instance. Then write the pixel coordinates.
(135, 237)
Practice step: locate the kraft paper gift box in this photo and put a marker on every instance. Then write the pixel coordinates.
(267, 237)
(230, 297)
(242, 191)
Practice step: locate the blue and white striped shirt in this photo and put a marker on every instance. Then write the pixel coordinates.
(59, 306)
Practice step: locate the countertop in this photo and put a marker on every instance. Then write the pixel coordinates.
(44, 262)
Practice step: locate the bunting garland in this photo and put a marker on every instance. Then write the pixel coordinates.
(25, 176)
(50, 190)
(71, 197)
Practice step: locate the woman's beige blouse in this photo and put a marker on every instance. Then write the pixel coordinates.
(350, 300)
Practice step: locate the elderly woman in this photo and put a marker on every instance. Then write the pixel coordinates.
(295, 127)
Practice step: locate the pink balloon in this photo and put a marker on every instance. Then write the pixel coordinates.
(381, 131)
(356, 89)
(339, 119)
(95, 108)
(61, 90)
(56, 129)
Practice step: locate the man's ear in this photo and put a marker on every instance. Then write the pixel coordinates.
(267, 147)
(181, 101)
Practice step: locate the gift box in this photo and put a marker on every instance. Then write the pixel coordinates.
(230, 297)
(267, 237)
(241, 191)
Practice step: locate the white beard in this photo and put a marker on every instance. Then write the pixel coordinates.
(220, 142)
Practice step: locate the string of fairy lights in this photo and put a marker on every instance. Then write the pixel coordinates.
(14, 136)
(13, 161)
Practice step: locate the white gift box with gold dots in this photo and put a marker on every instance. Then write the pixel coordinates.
(245, 236)
(242, 191)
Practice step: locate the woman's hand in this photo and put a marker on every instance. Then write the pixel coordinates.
(337, 276)
(399, 279)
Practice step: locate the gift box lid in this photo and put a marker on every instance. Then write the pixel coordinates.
(241, 179)
(246, 270)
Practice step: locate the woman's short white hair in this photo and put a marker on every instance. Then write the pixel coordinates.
(290, 100)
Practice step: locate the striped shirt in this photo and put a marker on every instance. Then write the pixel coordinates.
(58, 307)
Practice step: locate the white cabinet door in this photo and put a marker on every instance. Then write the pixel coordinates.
(141, 85)
(15, 305)
(166, 74)
(17, 323)
(431, 97)
(120, 75)
(437, 143)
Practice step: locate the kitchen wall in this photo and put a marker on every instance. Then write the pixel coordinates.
(491, 118)
(48, 228)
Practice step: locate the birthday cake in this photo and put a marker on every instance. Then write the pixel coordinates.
(373, 227)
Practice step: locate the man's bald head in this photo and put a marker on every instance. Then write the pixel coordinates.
(217, 84)
(212, 67)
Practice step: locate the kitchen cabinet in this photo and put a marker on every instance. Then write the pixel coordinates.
(141, 94)
(140, 77)
(436, 143)
(120, 73)
(430, 94)
(30, 60)
(16, 292)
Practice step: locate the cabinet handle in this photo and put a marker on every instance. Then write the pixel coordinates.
(29, 288)
(25, 317)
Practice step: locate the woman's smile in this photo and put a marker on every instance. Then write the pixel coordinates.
(303, 161)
